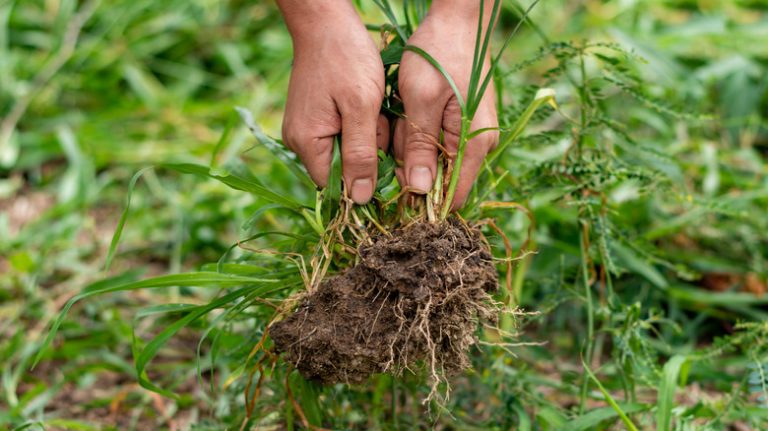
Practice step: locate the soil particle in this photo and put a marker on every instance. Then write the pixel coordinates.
(413, 300)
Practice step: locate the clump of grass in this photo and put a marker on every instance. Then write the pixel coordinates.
(419, 279)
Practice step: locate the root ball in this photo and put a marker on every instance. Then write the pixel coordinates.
(414, 300)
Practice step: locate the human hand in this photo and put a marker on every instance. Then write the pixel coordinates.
(448, 35)
(336, 86)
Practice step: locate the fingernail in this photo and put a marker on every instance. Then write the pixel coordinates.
(420, 179)
(362, 190)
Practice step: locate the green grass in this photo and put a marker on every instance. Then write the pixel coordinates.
(647, 186)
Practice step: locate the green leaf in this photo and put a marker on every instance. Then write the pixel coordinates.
(666, 394)
(144, 356)
(609, 399)
(226, 137)
(552, 417)
(698, 295)
(199, 279)
(393, 53)
(237, 182)
(593, 418)
(386, 171)
(163, 309)
(123, 218)
(308, 394)
(637, 264)
(332, 192)
(543, 96)
(386, 8)
(288, 158)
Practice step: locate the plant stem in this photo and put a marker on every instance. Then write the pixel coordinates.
(318, 228)
(584, 101)
(465, 123)
(590, 312)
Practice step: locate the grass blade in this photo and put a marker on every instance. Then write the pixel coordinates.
(609, 399)
(277, 148)
(497, 58)
(386, 8)
(144, 356)
(474, 96)
(123, 218)
(666, 395)
(543, 96)
(199, 279)
(237, 182)
(592, 419)
(332, 192)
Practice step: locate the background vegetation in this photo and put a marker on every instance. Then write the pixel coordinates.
(645, 298)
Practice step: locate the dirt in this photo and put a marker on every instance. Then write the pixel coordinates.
(413, 301)
(723, 281)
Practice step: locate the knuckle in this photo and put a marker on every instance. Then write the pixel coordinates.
(421, 142)
(362, 98)
(298, 137)
(420, 89)
(452, 123)
(362, 156)
(487, 141)
(306, 144)
(430, 91)
(493, 139)
(318, 148)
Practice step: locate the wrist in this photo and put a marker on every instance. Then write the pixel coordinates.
(462, 12)
(310, 20)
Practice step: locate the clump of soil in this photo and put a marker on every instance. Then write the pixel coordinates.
(414, 300)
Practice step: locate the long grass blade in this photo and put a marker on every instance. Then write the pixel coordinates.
(237, 182)
(146, 354)
(332, 192)
(199, 279)
(473, 97)
(386, 7)
(609, 399)
(666, 395)
(592, 419)
(543, 96)
(288, 158)
(123, 218)
(473, 81)
(497, 58)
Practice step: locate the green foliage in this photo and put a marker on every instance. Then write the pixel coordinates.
(646, 181)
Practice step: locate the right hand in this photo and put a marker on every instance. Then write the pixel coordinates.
(336, 86)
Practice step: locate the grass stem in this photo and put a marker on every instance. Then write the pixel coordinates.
(456, 168)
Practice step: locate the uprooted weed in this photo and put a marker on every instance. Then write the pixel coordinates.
(414, 300)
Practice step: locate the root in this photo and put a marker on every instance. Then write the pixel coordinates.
(413, 303)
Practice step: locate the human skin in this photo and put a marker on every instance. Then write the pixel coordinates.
(337, 86)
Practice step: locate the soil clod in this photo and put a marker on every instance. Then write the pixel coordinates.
(414, 300)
